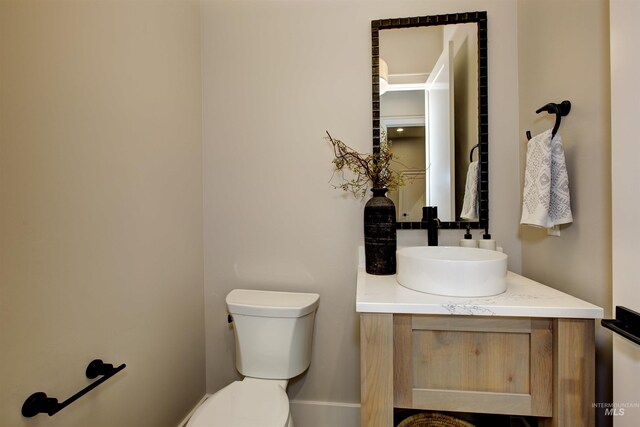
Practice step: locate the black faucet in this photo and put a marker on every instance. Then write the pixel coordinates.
(430, 217)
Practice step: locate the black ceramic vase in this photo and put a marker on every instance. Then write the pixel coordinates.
(380, 234)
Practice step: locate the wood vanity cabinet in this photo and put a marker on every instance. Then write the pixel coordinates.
(541, 367)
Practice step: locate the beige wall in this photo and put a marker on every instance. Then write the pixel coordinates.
(465, 105)
(408, 153)
(565, 55)
(101, 185)
(276, 75)
(625, 201)
(100, 219)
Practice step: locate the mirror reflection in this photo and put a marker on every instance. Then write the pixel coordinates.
(429, 111)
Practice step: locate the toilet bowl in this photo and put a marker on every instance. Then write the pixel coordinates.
(273, 332)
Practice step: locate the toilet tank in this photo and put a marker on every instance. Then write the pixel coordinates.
(273, 330)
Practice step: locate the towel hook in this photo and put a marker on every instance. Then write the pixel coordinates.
(559, 110)
(471, 152)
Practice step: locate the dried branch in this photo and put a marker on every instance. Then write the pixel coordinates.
(365, 169)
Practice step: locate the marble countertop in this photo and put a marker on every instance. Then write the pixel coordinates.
(523, 298)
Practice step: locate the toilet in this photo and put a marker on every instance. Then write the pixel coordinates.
(273, 332)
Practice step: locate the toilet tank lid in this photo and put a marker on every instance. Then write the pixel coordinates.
(271, 303)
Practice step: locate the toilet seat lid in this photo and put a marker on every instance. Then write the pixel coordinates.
(244, 404)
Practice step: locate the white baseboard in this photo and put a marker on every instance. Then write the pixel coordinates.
(183, 423)
(307, 413)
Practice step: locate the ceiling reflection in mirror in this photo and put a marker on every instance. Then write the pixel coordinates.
(429, 94)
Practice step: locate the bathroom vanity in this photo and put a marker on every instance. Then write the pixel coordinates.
(528, 351)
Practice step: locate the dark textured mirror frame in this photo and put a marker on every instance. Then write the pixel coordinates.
(483, 116)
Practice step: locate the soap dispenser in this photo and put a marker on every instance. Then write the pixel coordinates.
(487, 242)
(468, 241)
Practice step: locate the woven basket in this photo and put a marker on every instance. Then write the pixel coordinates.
(433, 420)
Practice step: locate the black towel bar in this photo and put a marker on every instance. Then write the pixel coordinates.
(626, 323)
(40, 403)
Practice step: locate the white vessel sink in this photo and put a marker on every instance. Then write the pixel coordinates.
(452, 271)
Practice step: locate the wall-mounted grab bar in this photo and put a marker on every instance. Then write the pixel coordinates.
(40, 403)
(626, 323)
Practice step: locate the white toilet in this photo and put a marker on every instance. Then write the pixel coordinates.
(274, 333)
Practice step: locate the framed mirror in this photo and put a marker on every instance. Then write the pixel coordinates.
(429, 93)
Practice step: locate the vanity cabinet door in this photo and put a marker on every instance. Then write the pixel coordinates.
(473, 364)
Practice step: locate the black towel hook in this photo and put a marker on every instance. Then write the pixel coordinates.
(471, 152)
(559, 110)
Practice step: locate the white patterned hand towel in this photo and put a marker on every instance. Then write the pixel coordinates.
(545, 200)
(470, 201)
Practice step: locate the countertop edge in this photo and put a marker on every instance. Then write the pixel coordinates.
(373, 308)
(383, 295)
